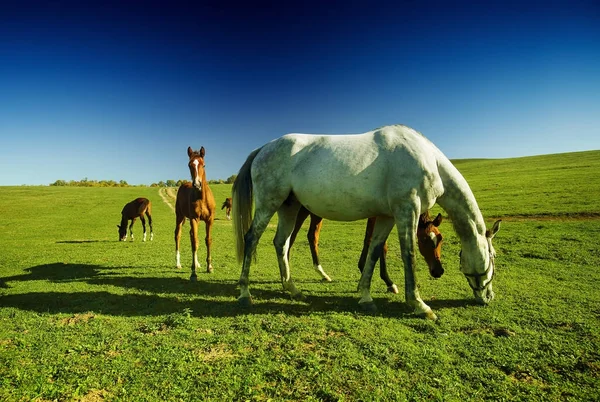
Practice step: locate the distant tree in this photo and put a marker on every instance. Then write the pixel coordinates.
(231, 179)
(171, 183)
(179, 182)
(161, 184)
(59, 183)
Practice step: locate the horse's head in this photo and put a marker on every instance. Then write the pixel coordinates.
(471, 264)
(122, 232)
(196, 165)
(430, 242)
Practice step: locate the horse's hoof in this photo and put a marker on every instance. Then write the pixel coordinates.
(326, 279)
(428, 315)
(194, 278)
(393, 289)
(245, 302)
(299, 297)
(368, 307)
(178, 267)
(209, 270)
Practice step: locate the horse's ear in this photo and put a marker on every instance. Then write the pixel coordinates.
(202, 152)
(190, 152)
(492, 232)
(438, 220)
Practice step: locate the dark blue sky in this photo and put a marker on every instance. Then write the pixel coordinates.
(110, 91)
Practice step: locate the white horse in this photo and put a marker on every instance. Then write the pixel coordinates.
(392, 173)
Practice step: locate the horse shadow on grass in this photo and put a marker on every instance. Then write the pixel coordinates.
(160, 296)
(83, 241)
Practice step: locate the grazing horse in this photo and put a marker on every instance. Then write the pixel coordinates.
(392, 173)
(227, 205)
(429, 240)
(195, 201)
(132, 210)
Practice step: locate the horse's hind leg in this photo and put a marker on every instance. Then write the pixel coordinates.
(381, 230)
(316, 222)
(366, 242)
(150, 224)
(143, 226)
(383, 271)
(300, 218)
(286, 221)
(208, 242)
(251, 238)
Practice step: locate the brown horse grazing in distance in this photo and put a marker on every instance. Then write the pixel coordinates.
(132, 210)
(195, 201)
(429, 240)
(227, 205)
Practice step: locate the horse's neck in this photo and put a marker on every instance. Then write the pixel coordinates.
(459, 203)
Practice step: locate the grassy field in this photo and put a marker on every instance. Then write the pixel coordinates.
(85, 317)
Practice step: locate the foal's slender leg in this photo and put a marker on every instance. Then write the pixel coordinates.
(381, 230)
(286, 220)
(300, 218)
(366, 242)
(208, 242)
(316, 222)
(143, 226)
(406, 222)
(383, 273)
(150, 223)
(194, 241)
(131, 228)
(179, 220)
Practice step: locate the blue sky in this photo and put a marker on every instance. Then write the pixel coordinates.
(118, 91)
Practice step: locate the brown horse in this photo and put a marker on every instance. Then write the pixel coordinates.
(227, 205)
(429, 240)
(195, 201)
(132, 210)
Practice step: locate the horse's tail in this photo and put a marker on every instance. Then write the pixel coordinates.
(242, 200)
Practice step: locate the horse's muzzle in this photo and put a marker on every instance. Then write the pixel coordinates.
(436, 270)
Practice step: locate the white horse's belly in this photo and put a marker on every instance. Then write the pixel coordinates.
(341, 198)
(340, 209)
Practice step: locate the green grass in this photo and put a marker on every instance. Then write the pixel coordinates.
(85, 317)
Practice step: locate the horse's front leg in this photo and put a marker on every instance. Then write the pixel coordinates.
(381, 230)
(407, 228)
(286, 220)
(194, 241)
(131, 228)
(208, 242)
(178, 223)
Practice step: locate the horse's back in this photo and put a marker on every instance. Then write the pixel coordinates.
(348, 177)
